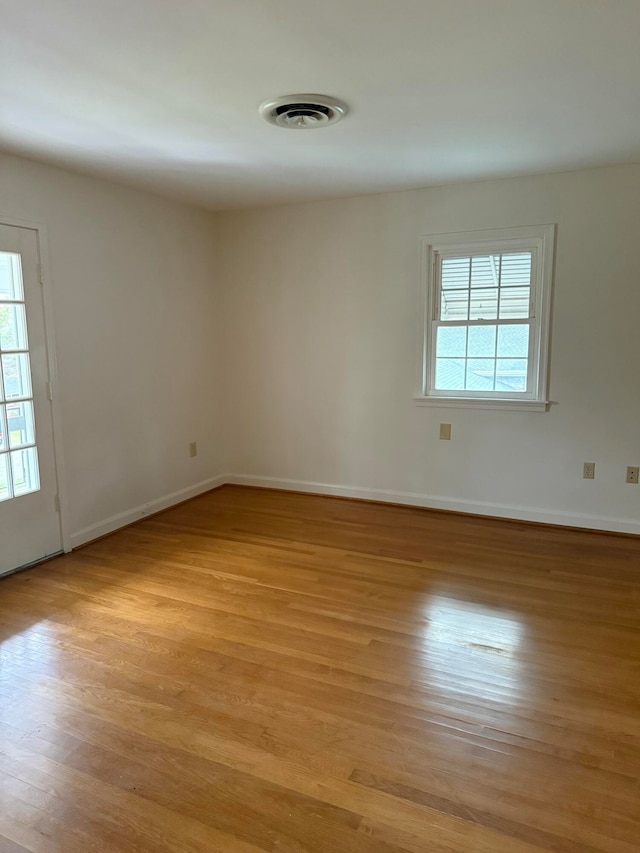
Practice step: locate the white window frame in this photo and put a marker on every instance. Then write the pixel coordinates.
(540, 241)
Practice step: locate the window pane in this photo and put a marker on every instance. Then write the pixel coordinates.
(513, 341)
(450, 374)
(20, 424)
(455, 272)
(11, 277)
(516, 270)
(485, 271)
(480, 374)
(482, 342)
(454, 305)
(451, 341)
(5, 483)
(13, 327)
(24, 469)
(4, 439)
(16, 375)
(511, 374)
(484, 304)
(515, 302)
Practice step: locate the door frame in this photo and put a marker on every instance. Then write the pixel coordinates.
(42, 239)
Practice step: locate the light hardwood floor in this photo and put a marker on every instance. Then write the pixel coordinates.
(261, 671)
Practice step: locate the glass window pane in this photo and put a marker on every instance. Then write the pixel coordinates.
(455, 273)
(482, 342)
(516, 270)
(20, 424)
(13, 327)
(513, 341)
(485, 271)
(480, 374)
(484, 304)
(450, 374)
(511, 374)
(16, 375)
(454, 305)
(5, 481)
(11, 277)
(24, 471)
(515, 302)
(4, 438)
(451, 341)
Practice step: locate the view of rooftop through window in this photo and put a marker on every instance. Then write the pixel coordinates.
(482, 338)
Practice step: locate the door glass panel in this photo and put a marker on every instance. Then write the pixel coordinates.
(20, 426)
(24, 471)
(11, 289)
(5, 480)
(13, 327)
(17, 376)
(19, 473)
(4, 438)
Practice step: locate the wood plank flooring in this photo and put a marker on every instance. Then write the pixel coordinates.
(261, 671)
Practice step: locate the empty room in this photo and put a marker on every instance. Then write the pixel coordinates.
(319, 426)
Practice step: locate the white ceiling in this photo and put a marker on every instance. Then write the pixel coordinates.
(165, 93)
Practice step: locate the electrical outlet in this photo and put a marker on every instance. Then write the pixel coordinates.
(193, 449)
(632, 474)
(589, 471)
(445, 432)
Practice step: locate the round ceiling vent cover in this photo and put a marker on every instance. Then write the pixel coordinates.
(303, 112)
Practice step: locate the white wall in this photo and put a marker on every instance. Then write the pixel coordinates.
(321, 340)
(284, 341)
(135, 308)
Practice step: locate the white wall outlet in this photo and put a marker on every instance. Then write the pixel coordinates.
(445, 432)
(589, 470)
(632, 474)
(193, 449)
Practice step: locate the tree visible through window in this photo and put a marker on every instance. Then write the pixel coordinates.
(18, 453)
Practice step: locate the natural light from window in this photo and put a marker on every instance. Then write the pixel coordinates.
(479, 645)
(485, 306)
(18, 452)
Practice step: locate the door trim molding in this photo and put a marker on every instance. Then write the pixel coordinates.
(42, 238)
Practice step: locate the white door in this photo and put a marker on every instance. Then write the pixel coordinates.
(29, 515)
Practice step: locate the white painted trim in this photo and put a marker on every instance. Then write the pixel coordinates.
(519, 513)
(122, 519)
(483, 403)
(42, 238)
(541, 240)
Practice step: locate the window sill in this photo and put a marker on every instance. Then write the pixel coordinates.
(483, 403)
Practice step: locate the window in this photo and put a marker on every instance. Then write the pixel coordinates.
(487, 303)
(18, 453)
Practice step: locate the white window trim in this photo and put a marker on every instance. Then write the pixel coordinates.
(541, 238)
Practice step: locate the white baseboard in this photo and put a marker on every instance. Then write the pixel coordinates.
(135, 514)
(519, 513)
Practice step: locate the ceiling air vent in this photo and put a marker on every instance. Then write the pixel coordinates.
(303, 112)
